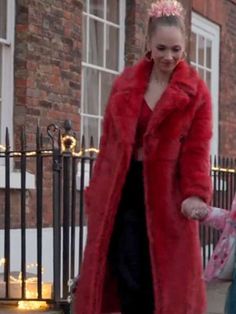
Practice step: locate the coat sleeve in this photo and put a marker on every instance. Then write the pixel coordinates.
(195, 179)
(216, 218)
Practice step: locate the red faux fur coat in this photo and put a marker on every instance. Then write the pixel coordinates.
(176, 166)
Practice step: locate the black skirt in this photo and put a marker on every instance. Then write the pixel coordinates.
(129, 248)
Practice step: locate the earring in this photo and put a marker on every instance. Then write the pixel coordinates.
(148, 55)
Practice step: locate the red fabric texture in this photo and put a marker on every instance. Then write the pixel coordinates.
(176, 165)
(144, 117)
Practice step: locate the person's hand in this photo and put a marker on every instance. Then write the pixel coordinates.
(194, 208)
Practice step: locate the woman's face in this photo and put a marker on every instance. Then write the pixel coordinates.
(167, 47)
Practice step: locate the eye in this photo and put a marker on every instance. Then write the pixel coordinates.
(176, 49)
(160, 48)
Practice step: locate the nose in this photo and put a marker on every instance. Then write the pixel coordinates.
(168, 55)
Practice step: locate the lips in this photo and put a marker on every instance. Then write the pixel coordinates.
(167, 63)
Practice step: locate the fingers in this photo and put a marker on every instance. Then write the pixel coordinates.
(199, 213)
(194, 208)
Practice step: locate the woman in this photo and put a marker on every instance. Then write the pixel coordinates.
(150, 184)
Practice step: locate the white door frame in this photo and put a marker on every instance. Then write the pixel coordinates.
(206, 28)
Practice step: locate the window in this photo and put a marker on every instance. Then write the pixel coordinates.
(204, 56)
(103, 59)
(7, 31)
(7, 26)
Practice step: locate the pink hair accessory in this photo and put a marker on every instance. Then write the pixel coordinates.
(166, 8)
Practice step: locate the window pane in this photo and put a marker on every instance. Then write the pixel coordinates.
(90, 129)
(107, 80)
(85, 7)
(112, 48)
(193, 47)
(208, 79)
(97, 7)
(113, 11)
(3, 19)
(208, 53)
(101, 127)
(90, 91)
(103, 52)
(0, 71)
(201, 48)
(0, 120)
(201, 72)
(0, 90)
(84, 41)
(96, 39)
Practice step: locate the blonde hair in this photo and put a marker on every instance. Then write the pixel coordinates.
(171, 20)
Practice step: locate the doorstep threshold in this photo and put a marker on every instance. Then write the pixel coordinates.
(14, 310)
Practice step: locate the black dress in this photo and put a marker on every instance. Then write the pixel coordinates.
(129, 247)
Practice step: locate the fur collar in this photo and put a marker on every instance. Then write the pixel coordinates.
(131, 87)
(184, 77)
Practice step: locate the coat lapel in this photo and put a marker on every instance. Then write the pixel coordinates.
(126, 102)
(132, 85)
(125, 107)
(177, 96)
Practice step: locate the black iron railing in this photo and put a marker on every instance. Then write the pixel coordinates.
(61, 169)
(223, 172)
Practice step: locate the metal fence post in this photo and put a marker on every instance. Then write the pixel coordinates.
(68, 140)
(7, 215)
(56, 168)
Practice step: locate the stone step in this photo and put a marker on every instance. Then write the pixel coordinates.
(13, 310)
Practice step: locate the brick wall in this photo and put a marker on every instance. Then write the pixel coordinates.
(48, 48)
(136, 24)
(224, 14)
(47, 63)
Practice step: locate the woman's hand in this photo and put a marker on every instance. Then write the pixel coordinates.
(194, 208)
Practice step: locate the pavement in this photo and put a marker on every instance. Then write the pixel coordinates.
(216, 295)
